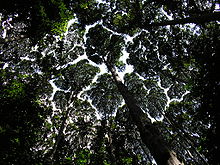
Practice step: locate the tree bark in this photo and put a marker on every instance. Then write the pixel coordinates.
(61, 129)
(149, 133)
(197, 20)
(58, 138)
(110, 146)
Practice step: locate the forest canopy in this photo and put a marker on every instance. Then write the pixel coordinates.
(109, 82)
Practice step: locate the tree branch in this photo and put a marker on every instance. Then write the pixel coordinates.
(196, 19)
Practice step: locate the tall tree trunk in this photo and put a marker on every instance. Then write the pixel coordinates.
(110, 145)
(197, 20)
(62, 127)
(148, 132)
(59, 136)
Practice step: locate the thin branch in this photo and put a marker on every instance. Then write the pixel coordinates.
(196, 19)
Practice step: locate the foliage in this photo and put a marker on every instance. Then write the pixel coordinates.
(40, 17)
(104, 96)
(57, 105)
(21, 121)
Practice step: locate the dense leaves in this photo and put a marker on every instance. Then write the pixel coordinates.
(35, 18)
(58, 104)
(104, 96)
(22, 116)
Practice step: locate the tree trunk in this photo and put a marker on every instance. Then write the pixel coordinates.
(197, 20)
(59, 136)
(148, 132)
(110, 145)
(62, 127)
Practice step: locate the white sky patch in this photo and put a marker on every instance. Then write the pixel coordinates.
(125, 56)
(100, 1)
(170, 17)
(129, 38)
(165, 67)
(129, 68)
(6, 26)
(4, 34)
(34, 48)
(28, 59)
(55, 89)
(5, 65)
(44, 52)
(217, 7)
(169, 100)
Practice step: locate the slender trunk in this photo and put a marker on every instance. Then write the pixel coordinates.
(62, 127)
(148, 132)
(110, 145)
(59, 136)
(197, 20)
